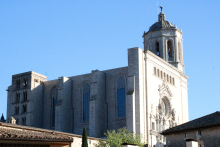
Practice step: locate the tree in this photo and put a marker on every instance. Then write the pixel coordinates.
(2, 118)
(116, 138)
(84, 138)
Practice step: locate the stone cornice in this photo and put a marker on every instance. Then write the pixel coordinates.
(163, 36)
(28, 74)
(175, 29)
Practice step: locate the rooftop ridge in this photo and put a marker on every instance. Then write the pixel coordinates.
(15, 126)
(171, 130)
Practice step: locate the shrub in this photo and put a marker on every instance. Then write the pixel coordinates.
(116, 138)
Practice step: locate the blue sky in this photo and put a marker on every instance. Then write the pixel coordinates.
(66, 38)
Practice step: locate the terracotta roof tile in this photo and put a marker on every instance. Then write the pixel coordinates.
(10, 132)
(202, 122)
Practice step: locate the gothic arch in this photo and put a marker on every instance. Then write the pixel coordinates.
(120, 86)
(170, 48)
(157, 47)
(86, 91)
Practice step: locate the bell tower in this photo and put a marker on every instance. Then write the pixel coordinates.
(165, 40)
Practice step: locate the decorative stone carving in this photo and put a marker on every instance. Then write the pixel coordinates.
(173, 115)
(164, 90)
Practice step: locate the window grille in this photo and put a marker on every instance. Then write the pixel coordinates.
(121, 95)
(86, 99)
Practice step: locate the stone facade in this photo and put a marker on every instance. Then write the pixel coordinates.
(203, 131)
(156, 92)
(209, 137)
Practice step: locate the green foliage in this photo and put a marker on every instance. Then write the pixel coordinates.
(116, 138)
(84, 138)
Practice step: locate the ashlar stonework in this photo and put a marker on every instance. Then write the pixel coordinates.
(152, 97)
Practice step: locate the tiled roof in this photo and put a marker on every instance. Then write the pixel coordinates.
(9, 131)
(202, 122)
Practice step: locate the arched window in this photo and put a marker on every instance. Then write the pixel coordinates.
(163, 107)
(121, 95)
(54, 96)
(24, 108)
(157, 48)
(169, 49)
(86, 99)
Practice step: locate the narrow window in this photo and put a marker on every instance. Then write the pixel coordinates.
(24, 108)
(153, 126)
(185, 135)
(25, 82)
(158, 72)
(173, 81)
(18, 83)
(17, 110)
(54, 96)
(24, 121)
(170, 79)
(25, 95)
(155, 71)
(89, 142)
(19, 97)
(167, 78)
(157, 48)
(121, 96)
(161, 75)
(169, 49)
(86, 100)
(199, 133)
(17, 100)
(164, 75)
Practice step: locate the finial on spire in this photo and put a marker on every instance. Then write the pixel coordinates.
(161, 8)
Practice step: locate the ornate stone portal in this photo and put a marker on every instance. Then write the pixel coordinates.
(165, 115)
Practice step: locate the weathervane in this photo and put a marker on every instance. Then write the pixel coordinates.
(161, 8)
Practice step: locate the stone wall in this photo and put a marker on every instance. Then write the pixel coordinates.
(209, 137)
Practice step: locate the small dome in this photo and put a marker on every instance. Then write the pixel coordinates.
(164, 24)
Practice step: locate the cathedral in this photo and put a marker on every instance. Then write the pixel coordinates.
(146, 96)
